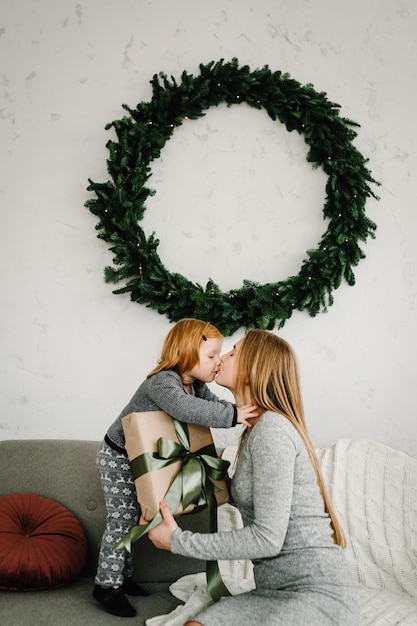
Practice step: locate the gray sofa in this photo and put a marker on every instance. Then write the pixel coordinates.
(374, 492)
(65, 471)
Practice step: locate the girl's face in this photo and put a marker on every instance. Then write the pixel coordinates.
(228, 368)
(209, 362)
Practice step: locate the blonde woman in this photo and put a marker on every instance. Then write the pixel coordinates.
(290, 531)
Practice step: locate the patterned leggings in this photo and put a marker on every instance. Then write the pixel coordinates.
(115, 566)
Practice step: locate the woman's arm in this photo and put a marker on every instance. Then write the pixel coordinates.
(271, 474)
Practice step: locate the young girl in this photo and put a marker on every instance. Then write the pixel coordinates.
(190, 358)
(290, 531)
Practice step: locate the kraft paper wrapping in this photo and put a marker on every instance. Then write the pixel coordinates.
(142, 431)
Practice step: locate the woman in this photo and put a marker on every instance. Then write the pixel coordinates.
(290, 531)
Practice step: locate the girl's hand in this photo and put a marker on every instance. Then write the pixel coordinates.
(161, 534)
(247, 412)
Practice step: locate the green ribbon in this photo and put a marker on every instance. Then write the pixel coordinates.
(192, 485)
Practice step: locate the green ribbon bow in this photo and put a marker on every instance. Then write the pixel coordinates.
(192, 485)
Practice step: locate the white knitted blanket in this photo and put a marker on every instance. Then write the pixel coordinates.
(374, 492)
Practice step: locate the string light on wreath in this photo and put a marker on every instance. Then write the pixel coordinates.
(120, 202)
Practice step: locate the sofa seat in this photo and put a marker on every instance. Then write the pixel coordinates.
(73, 605)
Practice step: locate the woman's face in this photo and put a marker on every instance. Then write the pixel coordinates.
(228, 368)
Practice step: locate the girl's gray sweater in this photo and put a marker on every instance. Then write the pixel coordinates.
(165, 392)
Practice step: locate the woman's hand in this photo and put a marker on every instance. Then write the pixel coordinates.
(161, 534)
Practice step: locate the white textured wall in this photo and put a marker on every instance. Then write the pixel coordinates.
(235, 199)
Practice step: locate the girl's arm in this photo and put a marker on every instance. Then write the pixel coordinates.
(244, 413)
(167, 392)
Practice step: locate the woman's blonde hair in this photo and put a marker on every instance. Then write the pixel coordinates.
(181, 348)
(267, 367)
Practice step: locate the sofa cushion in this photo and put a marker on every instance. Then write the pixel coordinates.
(42, 544)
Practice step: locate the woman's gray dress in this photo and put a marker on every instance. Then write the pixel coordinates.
(302, 577)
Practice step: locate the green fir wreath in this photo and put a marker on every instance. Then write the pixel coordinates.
(120, 203)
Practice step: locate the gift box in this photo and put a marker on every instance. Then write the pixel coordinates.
(163, 451)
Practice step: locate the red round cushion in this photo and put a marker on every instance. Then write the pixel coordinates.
(42, 544)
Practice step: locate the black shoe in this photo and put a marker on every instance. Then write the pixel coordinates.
(114, 601)
(131, 588)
